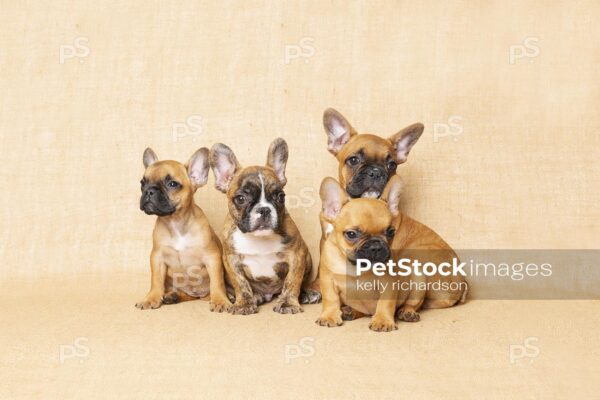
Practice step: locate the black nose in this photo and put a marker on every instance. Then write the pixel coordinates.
(375, 172)
(375, 250)
(264, 211)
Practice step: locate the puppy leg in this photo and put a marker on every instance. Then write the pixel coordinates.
(218, 297)
(331, 315)
(287, 302)
(310, 292)
(409, 310)
(245, 302)
(157, 283)
(383, 320)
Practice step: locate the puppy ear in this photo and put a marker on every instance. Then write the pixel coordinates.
(277, 158)
(391, 194)
(404, 140)
(197, 167)
(149, 157)
(338, 129)
(224, 165)
(333, 197)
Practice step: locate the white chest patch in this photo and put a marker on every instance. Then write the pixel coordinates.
(259, 252)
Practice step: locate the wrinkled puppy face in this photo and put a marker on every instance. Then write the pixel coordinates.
(257, 201)
(168, 186)
(366, 162)
(256, 196)
(362, 228)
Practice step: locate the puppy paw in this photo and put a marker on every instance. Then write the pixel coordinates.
(287, 307)
(380, 325)
(350, 314)
(170, 298)
(329, 321)
(219, 305)
(231, 297)
(310, 296)
(150, 302)
(243, 309)
(408, 315)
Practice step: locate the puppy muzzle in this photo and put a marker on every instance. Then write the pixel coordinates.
(374, 250)
(154, 202)
(369, 181)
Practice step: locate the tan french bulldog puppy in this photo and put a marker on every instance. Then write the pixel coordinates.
(263, 252)
(374, 229)
(186, 260)
(367, 163)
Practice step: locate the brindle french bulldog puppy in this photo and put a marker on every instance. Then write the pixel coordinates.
(263, 252)
(186, 258)
(366, 161)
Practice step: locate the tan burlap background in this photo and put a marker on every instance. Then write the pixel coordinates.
(509, 94)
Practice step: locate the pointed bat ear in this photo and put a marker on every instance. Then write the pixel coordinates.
(198, 167)
(333, 198)
(149, 157)
(224, 165)
(404, 140)
(277, 158)
(338, 130)
(391, 194)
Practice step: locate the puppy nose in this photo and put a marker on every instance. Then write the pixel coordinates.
(375, 173)
(377, 250)
(264, 211)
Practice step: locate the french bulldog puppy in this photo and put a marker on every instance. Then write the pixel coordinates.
(263, 252)
(366, 161)
(186, 261)
(374, 229)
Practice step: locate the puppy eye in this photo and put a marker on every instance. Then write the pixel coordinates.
(353, 161)
(173, 184)
(392, 165)
(351, 235)
(390, 232)
(280, 197)
(239, 200)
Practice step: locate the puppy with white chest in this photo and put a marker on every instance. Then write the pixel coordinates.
(263, 252)
(186, 261)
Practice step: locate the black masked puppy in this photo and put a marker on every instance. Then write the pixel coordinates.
(366, 161)
(186, 260)
(263, 252)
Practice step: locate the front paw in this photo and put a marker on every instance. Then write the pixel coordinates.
(219, 305)
(287, 307)
(150, 301)
(382, 325)
(310, 296)
(243, 309)
(330, 321)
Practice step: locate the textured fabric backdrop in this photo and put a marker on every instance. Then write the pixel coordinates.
(509, 157)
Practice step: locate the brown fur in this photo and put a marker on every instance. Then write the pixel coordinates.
(195, 270)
